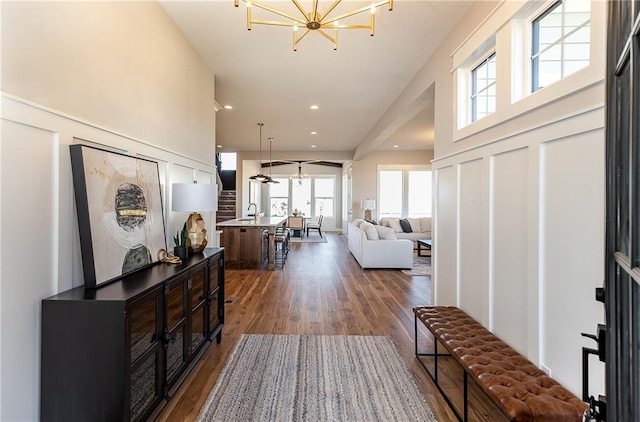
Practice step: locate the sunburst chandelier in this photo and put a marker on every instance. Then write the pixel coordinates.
(315, 20)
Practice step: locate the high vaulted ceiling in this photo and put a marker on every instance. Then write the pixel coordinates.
(259, 74)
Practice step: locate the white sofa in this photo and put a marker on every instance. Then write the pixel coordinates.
(420, 228)
(379, 253)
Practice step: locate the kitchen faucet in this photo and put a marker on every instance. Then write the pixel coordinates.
(255, 213)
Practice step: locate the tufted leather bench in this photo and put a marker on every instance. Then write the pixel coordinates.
(519, 388)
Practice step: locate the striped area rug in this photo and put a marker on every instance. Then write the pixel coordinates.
(314, 378)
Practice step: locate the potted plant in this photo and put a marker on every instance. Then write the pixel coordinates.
(180, 240)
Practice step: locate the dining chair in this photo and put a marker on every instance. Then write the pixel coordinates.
(317, 225)
(296, 225)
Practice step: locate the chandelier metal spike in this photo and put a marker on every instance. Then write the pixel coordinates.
(314, 20)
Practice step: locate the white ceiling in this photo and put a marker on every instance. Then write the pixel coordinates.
(259, 74)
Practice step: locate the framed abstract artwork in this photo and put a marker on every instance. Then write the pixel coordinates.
(120, 214)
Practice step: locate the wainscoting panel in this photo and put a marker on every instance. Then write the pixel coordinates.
(571, 201)
(178, 174)
(471, 283)
(445, 237)
(542, 194)
(40, 250)
(209, 217)
(28, 255)
(508, 247)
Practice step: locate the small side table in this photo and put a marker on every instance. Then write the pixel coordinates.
(424, 243)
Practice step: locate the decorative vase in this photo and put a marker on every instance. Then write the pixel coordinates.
(180, 252)
(197, 233)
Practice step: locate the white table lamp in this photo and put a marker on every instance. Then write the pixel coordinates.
(367, 205)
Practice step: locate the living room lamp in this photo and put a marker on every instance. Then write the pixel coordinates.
(194, 198)
(367, 205)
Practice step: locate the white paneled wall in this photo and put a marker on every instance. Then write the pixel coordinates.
(40, 253)
(472, 284)
(29, 251)
(519, 238)
(179, 174)
(571, 263)
(508, 245)
(444, 264)
(209, 217)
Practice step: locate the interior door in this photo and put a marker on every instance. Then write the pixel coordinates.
(622, 277)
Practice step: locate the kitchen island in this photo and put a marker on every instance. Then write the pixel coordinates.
(249, 241)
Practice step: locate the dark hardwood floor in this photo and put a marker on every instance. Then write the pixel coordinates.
(323, 290)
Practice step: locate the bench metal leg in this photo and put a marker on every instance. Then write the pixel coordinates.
(434, 377)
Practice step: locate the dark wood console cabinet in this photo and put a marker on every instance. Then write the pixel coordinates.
(119, 352)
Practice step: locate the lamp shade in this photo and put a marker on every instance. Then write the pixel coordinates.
(368, 204)
(193, 197)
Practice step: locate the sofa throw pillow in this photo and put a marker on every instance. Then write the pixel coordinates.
(358, 222)
(394, 223)
(415, 225)
(386, 233)
(372, 222)
(406, 226)
(370, 230)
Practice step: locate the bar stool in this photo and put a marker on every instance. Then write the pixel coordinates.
(281, 240)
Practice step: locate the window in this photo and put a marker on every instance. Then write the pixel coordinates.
(228, 160)
(301, 196)
(419, 197)
(324, 196)
(390, 193)
(312, 196)
(483, 89)
(560, 42)
(279, 197)
(404, 193)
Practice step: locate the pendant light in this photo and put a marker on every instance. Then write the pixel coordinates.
(260, 177)
(270, 181)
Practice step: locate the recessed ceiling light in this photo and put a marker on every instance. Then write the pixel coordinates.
(314, 107)
(219, 146)
(313, 146)
(396, 146)
(228, 107)
(314, 133)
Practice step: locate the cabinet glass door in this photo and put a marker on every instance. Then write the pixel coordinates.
(143, 319)
(214, 293)
(197, 302)
(176, 301)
